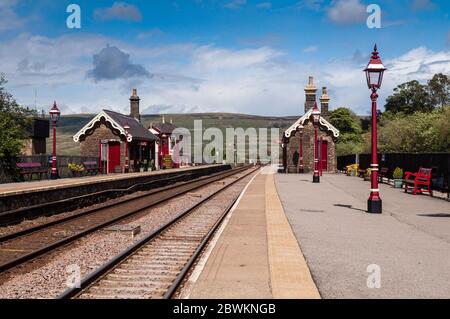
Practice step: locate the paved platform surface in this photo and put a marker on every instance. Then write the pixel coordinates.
(31, 186)
(410, 241)
(256, 255)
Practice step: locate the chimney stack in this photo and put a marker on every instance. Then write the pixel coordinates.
(310, 93)
(324, 103)
(134, 105)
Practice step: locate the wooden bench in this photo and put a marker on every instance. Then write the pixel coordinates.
(28, 169)
(383, 173)
(91, 167)
(419, 180)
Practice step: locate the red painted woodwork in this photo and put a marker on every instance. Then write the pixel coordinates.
(324, 156)
(419, 179)
(113, 156)
(165, 149)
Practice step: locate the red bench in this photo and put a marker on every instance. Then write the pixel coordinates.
(28, 169)
(420, 180)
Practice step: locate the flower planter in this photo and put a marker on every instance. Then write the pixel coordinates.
(398, 183)
(76, 174)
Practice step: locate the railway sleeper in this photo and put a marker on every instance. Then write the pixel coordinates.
(155, 276)
(149, 271)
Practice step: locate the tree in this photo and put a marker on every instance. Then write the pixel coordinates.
(345, 121)
(349, 125)
(439, 89)
(14, 123)
(408, 98)
(420, 132)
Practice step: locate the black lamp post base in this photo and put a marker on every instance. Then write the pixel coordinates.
(374, 206)
(53, 176)
(316, 179)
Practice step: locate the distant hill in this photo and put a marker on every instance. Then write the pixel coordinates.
(70, 124)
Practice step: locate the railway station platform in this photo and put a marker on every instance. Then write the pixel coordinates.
(15, 197)
(403, 252)
(255, 254)
(290, 238)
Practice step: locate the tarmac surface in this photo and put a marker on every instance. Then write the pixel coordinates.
(406, 250)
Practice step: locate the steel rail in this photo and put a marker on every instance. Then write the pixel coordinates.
(103, 270)
(48, 248)
(113, 191)
(92, 210)
(176, 284)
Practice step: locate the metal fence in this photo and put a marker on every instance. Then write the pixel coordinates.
(439, 162)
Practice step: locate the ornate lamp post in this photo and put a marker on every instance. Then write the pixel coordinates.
(126, 127)
(54, 117)
(374, 74)
(316, 120)
(300, 129)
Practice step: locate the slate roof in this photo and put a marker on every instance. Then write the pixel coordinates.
(164, 128)
(138, 131)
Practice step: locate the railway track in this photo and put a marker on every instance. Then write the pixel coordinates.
(155, 266)
(20, 247)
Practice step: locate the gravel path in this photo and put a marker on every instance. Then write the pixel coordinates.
(48, 280)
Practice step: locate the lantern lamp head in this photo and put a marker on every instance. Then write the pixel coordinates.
(374, 71)
(300, 128)
(316, 115)
(126, 127)
(54, 113)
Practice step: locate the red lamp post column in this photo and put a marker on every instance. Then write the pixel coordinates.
(126, 127)
(300, 129)
(316, 120)
(54, 116)
(374, 73)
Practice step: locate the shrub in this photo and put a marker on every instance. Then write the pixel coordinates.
(74, 167)
(398, 173)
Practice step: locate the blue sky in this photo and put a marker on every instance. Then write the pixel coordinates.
(209, 55)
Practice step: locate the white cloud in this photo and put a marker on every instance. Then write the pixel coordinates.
(419, 5)
(150, 34)
(315, 5)
(119, 11)
(191, 78)
(264, 5)
(347, 12)
(310, 49)
(235, 4)
(8, 18)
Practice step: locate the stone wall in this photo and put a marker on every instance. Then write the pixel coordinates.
(308, 151)
(90, 145)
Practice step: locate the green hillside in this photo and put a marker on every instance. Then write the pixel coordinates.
(70, 124)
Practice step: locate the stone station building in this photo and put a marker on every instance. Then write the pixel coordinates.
(105, 137)
(327, 136)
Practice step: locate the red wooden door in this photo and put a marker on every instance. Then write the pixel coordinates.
(113, 156)
(324, 156)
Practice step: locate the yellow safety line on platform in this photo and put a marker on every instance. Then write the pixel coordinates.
(289, 274)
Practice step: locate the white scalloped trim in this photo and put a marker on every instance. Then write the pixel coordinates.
(302, 120)
(96, 119)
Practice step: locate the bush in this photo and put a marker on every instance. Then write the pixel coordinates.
(398, 173)
(74, 167)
